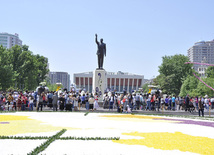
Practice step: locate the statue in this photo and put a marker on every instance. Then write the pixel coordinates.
(101, 51)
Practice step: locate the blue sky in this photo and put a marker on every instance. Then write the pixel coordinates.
(137, 33)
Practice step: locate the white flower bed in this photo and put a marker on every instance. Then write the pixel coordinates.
(103, 148)
(15, 147)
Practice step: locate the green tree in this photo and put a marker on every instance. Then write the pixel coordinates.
(189, 86)
(23, 69)
(53, 87)
(145, 88)
(210, 72)
(173, 72)
(203, 89)
(194, 87)
(6, 71)
(41, 66)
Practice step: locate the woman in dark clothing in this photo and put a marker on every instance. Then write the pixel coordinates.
(130, 101)
(62, 102)
(200, 107)
(69, 104)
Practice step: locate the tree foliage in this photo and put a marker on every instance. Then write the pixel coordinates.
(145, 88)
(6, 71)
(194, 87)
(52, 87)
(173, 71)
(210, 72)
(189, 86)
(20, 68)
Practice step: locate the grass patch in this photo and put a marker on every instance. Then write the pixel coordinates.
(24, 137)
(86, 113)
(44, 145)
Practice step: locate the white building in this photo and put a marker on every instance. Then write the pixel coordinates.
(118, 81)
(201, 52)
(60, 77)
(9, 40)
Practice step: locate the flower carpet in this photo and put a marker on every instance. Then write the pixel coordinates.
(100, 133)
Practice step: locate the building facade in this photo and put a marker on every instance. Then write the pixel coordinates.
(118, 81)
(201, 52)
(9, 40)
(60, 77)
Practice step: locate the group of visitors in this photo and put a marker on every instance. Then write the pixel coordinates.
(17, 101)
(127, 102)
(22, 101)
(124, 102)
(156, 102)
(198, 104)
(72, 100)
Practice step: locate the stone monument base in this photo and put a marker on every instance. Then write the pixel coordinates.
(99, 83)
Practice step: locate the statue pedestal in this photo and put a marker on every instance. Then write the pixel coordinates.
(99, 83)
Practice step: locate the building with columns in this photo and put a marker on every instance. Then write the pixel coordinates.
(115, 80)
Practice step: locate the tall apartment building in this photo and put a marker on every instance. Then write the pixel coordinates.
(201, 52)
(118, 81)
(9, 40)
(60, 77)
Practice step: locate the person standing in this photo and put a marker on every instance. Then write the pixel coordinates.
(153, 98)
(31, 99)
(86, 101)
(10, 101)
(106, 101)
(148, 101)
(166, 102)
(170, 103)
(23, 103)
(130, 101)
(75, 100)
(159, 101)
(91, 103)
(54, 101)
(162, 103)
(111, 101)
(83, 101)
(15, 99)
(180, 103)
(40, 102)
(212, 102)
(200, 107)
(206, 101)
(50, 99)
(44, 98)
(137, 101)
(69, 103)
(173, 102)
(187, 103)
(61, 102)
(19, 103)
(96, 105)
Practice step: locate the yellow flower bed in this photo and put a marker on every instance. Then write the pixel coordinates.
(6, 118)
(172, 141)
(23, 124)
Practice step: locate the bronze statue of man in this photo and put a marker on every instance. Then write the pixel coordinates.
(101, 51)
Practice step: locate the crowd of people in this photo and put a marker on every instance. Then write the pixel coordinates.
(127, 102)
(68, 101)
(123, 102)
